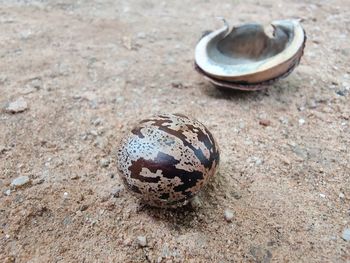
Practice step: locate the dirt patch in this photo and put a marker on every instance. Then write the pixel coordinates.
(87, 70)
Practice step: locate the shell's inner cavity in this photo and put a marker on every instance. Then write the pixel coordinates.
(248, 43)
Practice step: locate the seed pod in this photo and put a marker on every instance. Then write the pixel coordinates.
(166, 159)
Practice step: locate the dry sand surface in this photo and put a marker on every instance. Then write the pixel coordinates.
(75, 75)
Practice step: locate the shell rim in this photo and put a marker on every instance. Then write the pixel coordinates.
(213, 69)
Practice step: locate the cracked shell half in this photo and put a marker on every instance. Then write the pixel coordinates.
(246, 57)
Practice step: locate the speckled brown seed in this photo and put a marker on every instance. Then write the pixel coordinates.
(167, 159)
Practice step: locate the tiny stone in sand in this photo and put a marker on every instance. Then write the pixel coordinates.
(104, 162)
(20, 181)
(142, 241)
(228, 215)
(17, 106)
(346, 234)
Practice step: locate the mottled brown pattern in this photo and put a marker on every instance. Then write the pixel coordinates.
(167, 159)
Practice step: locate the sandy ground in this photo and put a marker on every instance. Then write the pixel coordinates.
(88, 70)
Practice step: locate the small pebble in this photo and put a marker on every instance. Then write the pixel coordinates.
(17, 106)
(301, 122)
(301, 108)
(341, 196)
(20, 181)
(255, 159)
(104, 162)
(346, 234)
(228, 215)
(3, 149)
(283, 120)
(65, 195)
(236, 195)
(94, 133)
(116, 191)
(265, 122)
(8, 192)
(322, 195)
(142, 241)
(127, 242)
(312, 104)
(74, 177)
(97, 121)
(285, 159)
(177, 84)
(141, 35)
(35, 83)
(340, 93)
(258, 161)
(260, 254)
(196, 202)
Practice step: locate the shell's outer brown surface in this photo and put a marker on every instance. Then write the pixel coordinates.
(167, 159)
